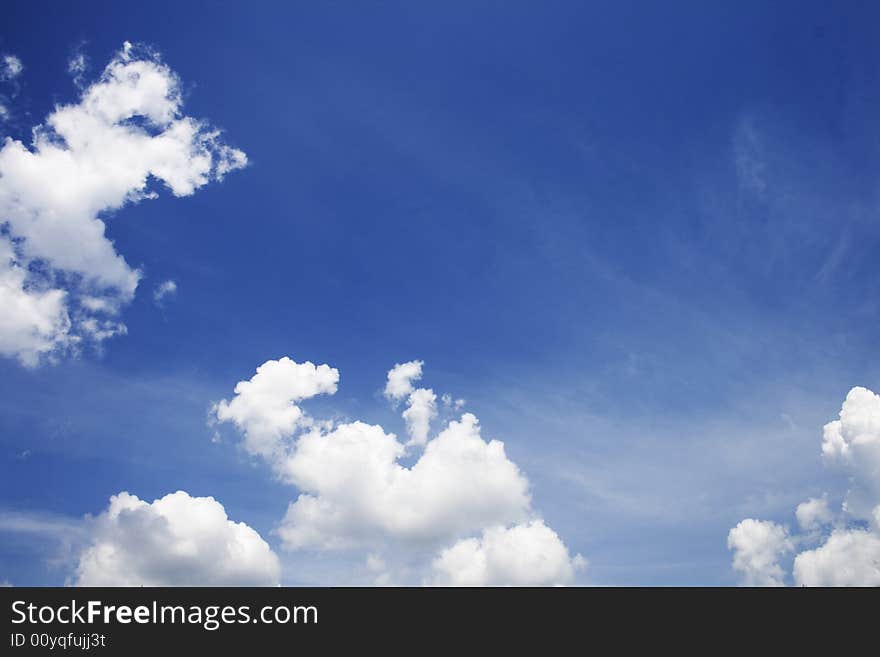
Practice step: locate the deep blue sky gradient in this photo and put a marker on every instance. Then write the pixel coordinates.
(639, 238)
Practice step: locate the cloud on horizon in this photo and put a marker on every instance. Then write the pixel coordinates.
(177, 540)
(839, 548)
(460, 502)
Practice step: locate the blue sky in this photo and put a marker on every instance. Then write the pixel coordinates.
(639, 240)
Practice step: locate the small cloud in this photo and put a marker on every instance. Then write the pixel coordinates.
(400, 379)
(163, 290)
(77, 65)
(10, 67)
(449, 402)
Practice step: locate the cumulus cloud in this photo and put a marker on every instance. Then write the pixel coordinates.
(757, 546)
(400, 379)
(836, 548)
(177, 540)
(34, 320)
(528, 554)
(357, 492)
(264, 408)
(847, 558)
(87, 160)
(163, 290)
(852, 445)
(813, 514)
(421, 409)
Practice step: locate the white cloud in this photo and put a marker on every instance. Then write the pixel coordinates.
(87, 160)
(852, 443)
(813, 514)
(421, 402)
(357, 491)
(850, 554)
(421, 409)
(77, 66)
(400, 379)
(528, 554)
(177, 540)
(757, 546)
(10, 67)
(34, 321)
(264, 408)
(164, 289)
(453, 403)
(847, 558)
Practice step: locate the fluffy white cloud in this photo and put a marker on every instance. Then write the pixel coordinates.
(421, 404)
(401, 377)
(164, 289)
(852, 443)
(847, 558)
(177, 540)
(89, 159)
(528, 554)
(264, 407)
(359, 490)
(850, 554)
(421, 409)
(354, 490)
(813, 514)
(757, 546)
(34, 321)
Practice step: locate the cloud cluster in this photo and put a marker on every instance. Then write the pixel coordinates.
(356, 492)
(177, 540)
(462, 501)
(61, 276)
(836, 548)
